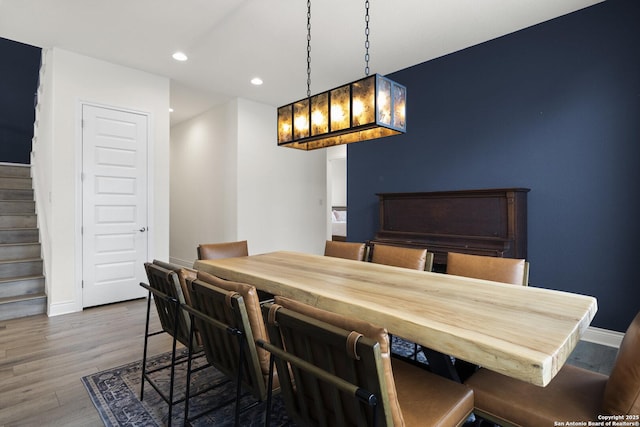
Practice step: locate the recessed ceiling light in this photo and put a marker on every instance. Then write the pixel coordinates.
(256, 81)
(179, 56)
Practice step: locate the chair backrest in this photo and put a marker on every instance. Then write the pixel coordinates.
(183, 273)
(622, 392)
(223, 250)
(398, 256)
(342, 347)
(173, 320)
(505, 270)
(236, 304)
(346, 250)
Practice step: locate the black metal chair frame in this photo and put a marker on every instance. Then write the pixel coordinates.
(241, 342)
(175, 359)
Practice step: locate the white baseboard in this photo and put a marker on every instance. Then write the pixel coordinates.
(62, 308)
(603, 336)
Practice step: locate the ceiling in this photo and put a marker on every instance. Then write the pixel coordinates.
(229, 42)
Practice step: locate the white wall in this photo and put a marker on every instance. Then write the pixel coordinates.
(230, 181)
(281, 191)
(75, 79)
(203, 182)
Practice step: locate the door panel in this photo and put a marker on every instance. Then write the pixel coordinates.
(114, 190)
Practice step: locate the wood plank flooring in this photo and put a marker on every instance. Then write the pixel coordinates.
(42, 360)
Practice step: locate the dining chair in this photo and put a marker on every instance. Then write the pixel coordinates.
(505, 270)
(222, 250)
(398, 256)
(166, 284)
(228, 250)
(337, 370)
(574, 394)
(237, 305)
(347, 250)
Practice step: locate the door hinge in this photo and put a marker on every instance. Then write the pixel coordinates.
(82, 284)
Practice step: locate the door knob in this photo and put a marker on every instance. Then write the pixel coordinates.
(143, 229)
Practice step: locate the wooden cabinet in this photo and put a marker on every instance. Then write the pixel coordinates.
(482, 222)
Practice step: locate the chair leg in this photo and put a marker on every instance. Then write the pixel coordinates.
(267, 420)
(145, 372)
(173, 364)
(188, 386)
(239, 385)
(144, 352)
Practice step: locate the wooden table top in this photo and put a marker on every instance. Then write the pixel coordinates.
(523, 332)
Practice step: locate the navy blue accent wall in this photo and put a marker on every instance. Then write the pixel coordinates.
(19, 69)
(554, 108)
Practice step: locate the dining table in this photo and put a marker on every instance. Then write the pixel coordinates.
(524, 332)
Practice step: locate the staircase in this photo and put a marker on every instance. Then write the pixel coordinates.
(22, 291)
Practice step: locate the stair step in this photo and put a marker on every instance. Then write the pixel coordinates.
(16, 194)
(17, 251)
(19, 235)
(15, 183)
(15, 307)
(17, 206)
(21, 286)
(18, 221)
(20, 268)
(12, 170)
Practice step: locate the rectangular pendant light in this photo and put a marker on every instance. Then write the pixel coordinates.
(369, 108)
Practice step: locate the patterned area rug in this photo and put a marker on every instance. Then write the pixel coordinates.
(115, 393)
(406, 348)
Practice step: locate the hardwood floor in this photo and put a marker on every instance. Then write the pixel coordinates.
(42, 360)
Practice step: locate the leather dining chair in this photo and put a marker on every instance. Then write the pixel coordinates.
(337, 370)
(505, 270)
(574, 394)
(236, 305)
(228, 250)
(416, 259)
(167, 284)
(223, 250)
(347, 250)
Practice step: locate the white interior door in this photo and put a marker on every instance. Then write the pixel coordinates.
(114, 206)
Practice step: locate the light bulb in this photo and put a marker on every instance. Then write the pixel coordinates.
(383, 100)
(300, 122)
(337, 114)
(358, 107)
(317, 118)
